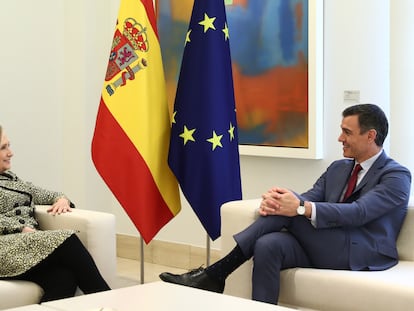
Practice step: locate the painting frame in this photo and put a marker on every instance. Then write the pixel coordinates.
(315, 96)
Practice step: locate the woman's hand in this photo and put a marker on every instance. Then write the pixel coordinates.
(60, 206)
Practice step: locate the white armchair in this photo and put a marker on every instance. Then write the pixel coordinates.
(96, 231)
(325, 289)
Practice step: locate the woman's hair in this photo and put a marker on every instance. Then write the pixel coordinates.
(1, 131)
(370, 117)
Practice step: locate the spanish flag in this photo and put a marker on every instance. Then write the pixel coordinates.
(131, 139)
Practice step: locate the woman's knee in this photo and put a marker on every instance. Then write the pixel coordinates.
(60, 283)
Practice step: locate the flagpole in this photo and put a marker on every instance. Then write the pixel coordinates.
(208, 251)
(142, 260)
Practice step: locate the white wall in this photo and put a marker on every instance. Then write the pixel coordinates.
(401, 73)
(53, 62)
(31, 88)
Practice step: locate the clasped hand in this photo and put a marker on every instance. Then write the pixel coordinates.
(279, 201)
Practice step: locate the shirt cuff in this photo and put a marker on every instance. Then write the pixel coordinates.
(313, 215)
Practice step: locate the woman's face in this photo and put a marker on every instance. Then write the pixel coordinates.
(5, 153)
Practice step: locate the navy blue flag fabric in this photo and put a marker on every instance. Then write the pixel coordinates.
(204, 154)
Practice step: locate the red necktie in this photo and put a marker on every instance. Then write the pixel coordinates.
(352, 181)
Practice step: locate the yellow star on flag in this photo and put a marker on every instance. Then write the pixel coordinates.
(173, 117)
(215, 140)
(187, 37)
(187, 135)
(226, 32)
(207, 23)
(231, 131)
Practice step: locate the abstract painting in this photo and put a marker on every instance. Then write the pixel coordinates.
(276, 50)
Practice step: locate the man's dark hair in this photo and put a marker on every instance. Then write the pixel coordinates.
(370, 116)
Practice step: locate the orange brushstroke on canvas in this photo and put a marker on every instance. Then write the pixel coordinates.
(261, 99)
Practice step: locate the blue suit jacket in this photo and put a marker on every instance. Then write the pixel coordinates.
(372, 216)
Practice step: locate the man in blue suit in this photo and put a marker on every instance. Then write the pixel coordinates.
(326, 227)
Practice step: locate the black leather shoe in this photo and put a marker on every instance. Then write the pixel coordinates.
(197, 278)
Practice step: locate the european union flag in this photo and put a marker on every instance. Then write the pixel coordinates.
(204, 154)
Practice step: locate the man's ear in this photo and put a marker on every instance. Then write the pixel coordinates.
(372, 135)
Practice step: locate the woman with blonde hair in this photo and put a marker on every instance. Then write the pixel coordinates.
(56, 260)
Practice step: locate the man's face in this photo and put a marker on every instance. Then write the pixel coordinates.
(355, 144)
(5, 153)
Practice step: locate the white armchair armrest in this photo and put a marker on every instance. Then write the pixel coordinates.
(96, 231)
(236, 216)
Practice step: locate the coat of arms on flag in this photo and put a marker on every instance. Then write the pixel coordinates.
(123, 54)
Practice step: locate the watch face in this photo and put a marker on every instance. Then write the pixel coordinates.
(301, 210)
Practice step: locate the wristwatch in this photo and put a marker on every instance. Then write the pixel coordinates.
(301, 208)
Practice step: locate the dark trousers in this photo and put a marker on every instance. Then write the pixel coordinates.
(68, 267)
(277, 243)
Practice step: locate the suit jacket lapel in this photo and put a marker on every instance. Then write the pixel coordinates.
(376, 166)
(343, 175)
